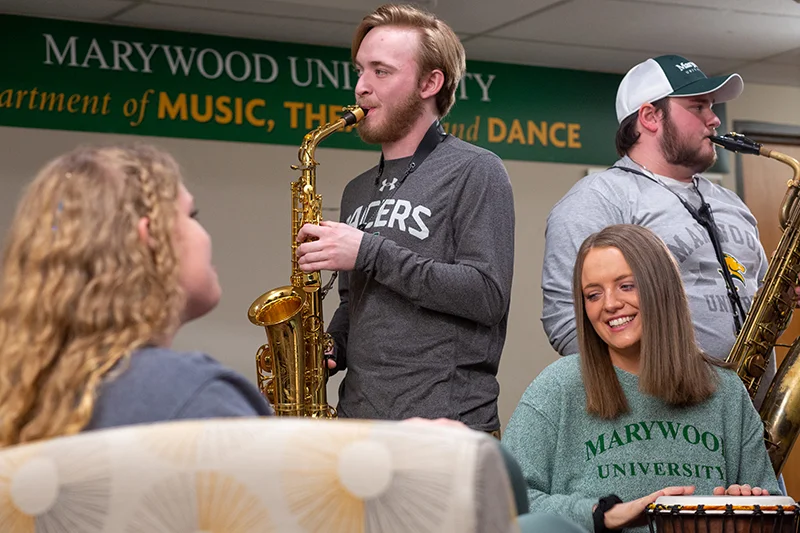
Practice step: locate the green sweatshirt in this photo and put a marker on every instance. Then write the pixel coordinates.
(571, 458)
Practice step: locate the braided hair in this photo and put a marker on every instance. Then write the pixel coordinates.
(80, 290)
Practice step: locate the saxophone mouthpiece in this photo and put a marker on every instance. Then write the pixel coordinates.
(736, 142)
(353, 114)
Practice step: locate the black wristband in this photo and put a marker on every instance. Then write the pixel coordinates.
(604, 504)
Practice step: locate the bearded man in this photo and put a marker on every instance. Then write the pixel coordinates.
(425, 245)
(664, 107)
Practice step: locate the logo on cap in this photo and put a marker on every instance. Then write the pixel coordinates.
(686, 66)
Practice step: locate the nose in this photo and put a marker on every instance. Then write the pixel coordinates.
(363, 87)
(714, 120)
(611, 302)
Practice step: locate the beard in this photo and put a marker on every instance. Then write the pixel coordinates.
(677, 150)
(396, 124)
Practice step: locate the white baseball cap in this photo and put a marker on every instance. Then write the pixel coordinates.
(671, 75)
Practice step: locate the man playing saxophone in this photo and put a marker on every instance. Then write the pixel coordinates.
(425, 245)
(664, 107)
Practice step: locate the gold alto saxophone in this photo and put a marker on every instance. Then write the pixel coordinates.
(769, 315)
(291, 367)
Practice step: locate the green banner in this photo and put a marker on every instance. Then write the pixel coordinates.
(101, 78)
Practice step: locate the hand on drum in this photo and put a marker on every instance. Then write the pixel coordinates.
(740, 490)
(631, 514)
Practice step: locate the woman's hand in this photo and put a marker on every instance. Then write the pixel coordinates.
(740, 490)
(631, 514)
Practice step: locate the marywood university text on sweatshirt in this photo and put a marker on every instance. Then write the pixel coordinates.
(570, 458)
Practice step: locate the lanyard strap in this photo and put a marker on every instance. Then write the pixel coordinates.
(705, 217)
(427, 145)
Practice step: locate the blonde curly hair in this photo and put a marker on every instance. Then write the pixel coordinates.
(79, 289)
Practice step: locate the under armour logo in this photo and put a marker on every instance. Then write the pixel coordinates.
(391, 185)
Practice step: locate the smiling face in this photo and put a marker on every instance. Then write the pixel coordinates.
(388, 84)
(611, 303)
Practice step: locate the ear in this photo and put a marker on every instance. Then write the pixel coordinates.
(650, 118)
(143, 228)
(431, 83)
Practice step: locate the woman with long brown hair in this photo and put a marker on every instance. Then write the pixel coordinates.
(104, 261)
(641, 411)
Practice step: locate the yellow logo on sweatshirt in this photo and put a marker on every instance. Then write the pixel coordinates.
(736, 269)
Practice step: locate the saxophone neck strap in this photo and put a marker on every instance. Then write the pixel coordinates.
(705, 217)
(428, 144)
(432, 138)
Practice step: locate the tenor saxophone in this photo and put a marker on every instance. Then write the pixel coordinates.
(291, 368)
(769, 315)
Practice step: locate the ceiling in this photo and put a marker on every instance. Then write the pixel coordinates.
(760, 39)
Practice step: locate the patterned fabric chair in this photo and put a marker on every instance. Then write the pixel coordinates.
(259, 475)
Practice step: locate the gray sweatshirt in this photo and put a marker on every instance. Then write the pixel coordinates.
(159, 384)
(570, 458)
(619, 197)
(423, 315)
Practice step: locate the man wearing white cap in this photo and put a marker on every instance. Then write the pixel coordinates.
(664, 107)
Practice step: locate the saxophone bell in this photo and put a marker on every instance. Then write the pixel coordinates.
(281, 363)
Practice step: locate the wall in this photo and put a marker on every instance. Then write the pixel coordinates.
(763, 103)
(767, 103)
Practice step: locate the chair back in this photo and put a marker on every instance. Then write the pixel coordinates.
(259, 475)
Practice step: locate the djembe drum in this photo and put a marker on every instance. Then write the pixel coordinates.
(723, 514)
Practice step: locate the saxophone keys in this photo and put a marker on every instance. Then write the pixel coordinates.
(756, 365)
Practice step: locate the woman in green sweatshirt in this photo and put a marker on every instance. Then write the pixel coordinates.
(641, 412)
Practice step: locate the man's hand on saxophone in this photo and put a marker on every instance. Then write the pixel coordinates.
(335, 246)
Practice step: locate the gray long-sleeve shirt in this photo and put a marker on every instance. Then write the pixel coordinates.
(423, 315)
(159, 384)
(620, 197)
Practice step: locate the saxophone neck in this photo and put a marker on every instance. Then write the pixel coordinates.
(786, 160)
(786, 216)
(350, 116)
(738, 143)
